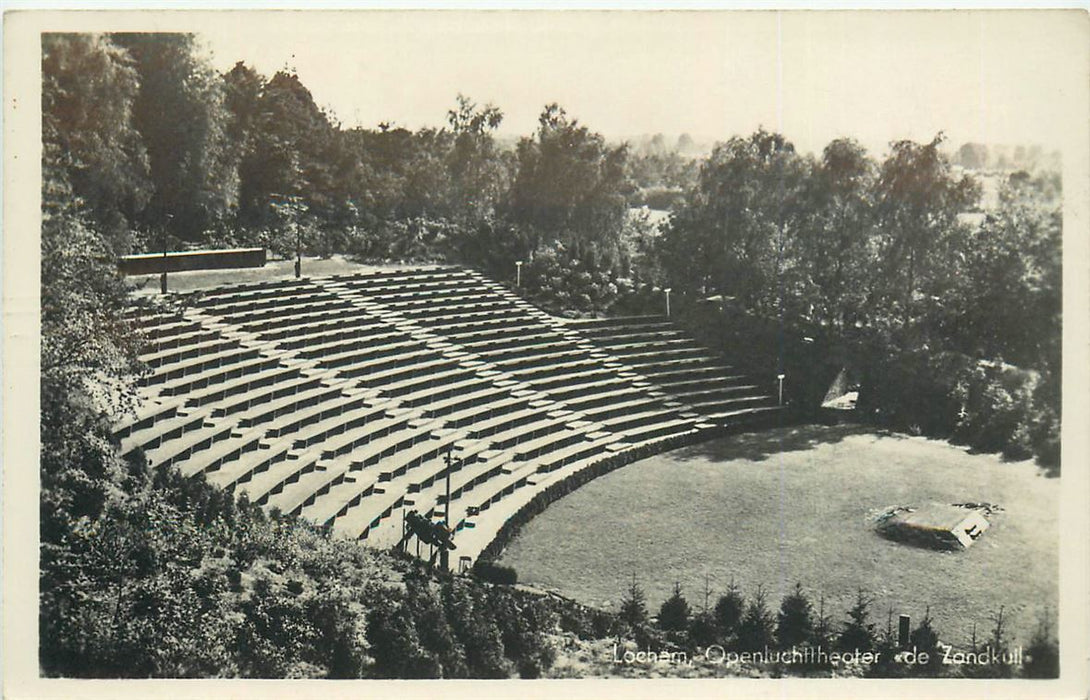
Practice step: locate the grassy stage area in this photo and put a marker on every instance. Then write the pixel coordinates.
(797, 504)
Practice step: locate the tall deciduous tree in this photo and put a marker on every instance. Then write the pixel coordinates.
(88, 359)
(918, 202)
(180, 113)
(90, 147)
(834, 247)
(477, 173)
(571, 189)
(243, 87)
(1007, 302)
(88, 355)
(734, 236)
(290, 151)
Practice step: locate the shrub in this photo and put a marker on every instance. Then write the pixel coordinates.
(703, 630)
(522, 624)
(395, 646)
(559, 281)
(995, 408)
(603, 625)
(990, 406)
(495, 573)
(433, 631)
(475, 626)
(340, 640)
(912, 391)
(1045, 430)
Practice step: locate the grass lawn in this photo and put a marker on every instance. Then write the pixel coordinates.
(796, 504)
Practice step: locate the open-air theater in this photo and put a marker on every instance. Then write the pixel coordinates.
(360, 401)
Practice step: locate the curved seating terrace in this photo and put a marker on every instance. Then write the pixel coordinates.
(337, 399)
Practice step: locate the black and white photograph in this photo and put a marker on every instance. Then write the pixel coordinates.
(531, 345)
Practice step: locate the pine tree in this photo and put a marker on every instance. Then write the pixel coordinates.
(702, 629)
(924, 639)
(729, 610)
(975, 647)
(887, 648)
(858, 632)
(794, 623)
(823, 634)
(674, 613)
(634, 605)
(1043, 653)
(755, 632)
(1000, 646)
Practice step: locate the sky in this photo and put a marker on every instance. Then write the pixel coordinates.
(996, 78)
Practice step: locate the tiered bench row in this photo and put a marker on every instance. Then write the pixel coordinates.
(341, 399)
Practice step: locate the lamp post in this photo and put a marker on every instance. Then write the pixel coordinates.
(298, 239)
(780, 378)
(518, 273)
(288, 210)
(667, 290)
(444, 554)
(163, 274)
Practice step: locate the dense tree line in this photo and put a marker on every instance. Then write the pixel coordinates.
(950, 325)
(875, 253)
(167, 153)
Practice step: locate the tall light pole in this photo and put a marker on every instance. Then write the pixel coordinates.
(444, 553)
(518, 273)
(289, 209)
(780, 378)
(667, 290)
(163, 275)
(298, 240)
